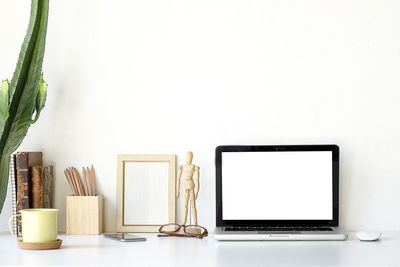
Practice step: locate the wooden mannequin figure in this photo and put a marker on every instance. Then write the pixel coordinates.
(191, 187)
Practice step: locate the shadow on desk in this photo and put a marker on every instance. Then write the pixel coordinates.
(80, 246)
(279, 253)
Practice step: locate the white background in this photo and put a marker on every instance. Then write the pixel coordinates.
(277, 185)
(167, 76)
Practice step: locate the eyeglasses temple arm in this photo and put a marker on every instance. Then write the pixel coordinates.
(163, 235)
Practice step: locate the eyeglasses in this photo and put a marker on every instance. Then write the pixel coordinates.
(173, 229)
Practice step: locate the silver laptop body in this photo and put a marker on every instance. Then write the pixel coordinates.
(277, 193)
(336, 234)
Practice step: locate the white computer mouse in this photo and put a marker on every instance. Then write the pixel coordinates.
(368, 235)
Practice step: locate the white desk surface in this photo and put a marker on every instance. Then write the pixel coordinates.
(175, 251)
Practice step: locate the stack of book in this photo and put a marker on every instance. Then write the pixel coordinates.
(31, 184)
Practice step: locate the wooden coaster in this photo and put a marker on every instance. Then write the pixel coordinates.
(40, 245)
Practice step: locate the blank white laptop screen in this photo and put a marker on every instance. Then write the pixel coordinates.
(277, 185)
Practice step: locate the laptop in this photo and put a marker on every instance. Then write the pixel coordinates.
(278, 192)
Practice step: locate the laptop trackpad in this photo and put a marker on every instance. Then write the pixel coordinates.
(277, 234)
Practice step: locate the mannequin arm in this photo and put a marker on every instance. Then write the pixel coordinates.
(197, 180)
(178, 182)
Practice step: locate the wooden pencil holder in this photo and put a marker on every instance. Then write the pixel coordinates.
(84, 215)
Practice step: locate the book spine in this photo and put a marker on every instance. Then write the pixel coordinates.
(13, 191)
(34, 159)
(22, 166)
(47, 187)
(36, 191)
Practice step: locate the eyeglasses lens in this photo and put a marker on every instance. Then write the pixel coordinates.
(193, 229)
(170, 228)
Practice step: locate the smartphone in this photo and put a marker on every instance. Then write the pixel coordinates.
(125, 237)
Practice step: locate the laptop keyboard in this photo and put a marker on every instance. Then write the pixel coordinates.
(280, 229)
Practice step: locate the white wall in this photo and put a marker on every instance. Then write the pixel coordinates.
(167, 76)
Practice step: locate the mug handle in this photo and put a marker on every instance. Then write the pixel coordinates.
(9, 224)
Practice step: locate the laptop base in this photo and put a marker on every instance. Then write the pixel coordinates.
(222, 235)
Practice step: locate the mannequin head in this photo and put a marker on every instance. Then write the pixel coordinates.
(189, 157)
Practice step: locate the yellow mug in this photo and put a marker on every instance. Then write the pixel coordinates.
(38, 225)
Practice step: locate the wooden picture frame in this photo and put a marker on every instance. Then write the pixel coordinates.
(145, 192)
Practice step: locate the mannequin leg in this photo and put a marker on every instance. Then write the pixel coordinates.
(186, 206)
(193, 204)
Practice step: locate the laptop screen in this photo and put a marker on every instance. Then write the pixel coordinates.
(277, 185)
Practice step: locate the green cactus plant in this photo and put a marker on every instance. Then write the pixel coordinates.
(22, 100)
